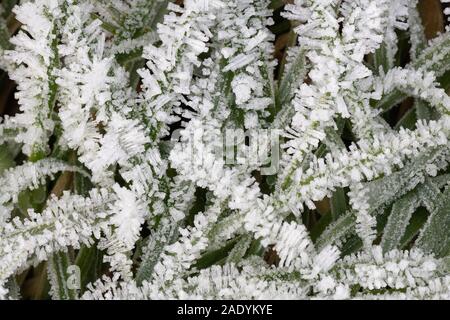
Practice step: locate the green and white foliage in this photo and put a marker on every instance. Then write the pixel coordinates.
(124, 107)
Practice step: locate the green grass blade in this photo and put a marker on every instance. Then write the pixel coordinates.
(338, 203)
(89, 260)
(435, 235)
(163, 236)
(398, 220)
(337, 230)
(240, 249)
(60, 277)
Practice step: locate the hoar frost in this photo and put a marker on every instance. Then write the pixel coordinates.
(123, 110)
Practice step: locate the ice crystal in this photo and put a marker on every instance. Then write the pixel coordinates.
(174, 147)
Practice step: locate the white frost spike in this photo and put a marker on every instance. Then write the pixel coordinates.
(32, 64)
(260, 37)
(342, 107)
(71, 220)
(208, 68)
(420, 84)
(241, 60)
(127, 215)
(28, 176)
(123, 140)
(242, 87)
